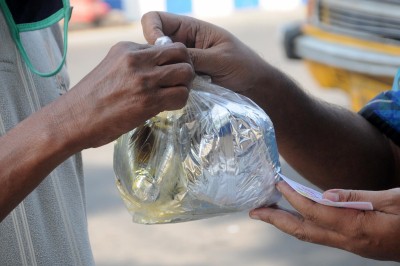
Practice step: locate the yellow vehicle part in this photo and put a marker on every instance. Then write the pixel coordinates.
(360, 87)
(387, 48)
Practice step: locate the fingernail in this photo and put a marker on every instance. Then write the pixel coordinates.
(331, 196)
(254, 216)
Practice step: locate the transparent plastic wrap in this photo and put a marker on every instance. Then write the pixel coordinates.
(215, 156)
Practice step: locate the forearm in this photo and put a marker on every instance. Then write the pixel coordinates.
(329, 145)
(29, 152)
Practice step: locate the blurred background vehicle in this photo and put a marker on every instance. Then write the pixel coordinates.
(89, 12)
(350, 45)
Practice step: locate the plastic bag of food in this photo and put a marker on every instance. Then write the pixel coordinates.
(217, 155)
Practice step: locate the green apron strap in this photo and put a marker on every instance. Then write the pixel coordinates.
(16, 29)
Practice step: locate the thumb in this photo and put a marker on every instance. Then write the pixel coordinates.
(385, 200)
(152, 26)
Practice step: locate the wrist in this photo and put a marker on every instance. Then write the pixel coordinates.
(62, 126)
(29, 152)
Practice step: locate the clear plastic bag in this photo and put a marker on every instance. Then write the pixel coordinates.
(215, 156)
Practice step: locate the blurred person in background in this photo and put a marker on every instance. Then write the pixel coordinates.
(329, 145)
(44, 126)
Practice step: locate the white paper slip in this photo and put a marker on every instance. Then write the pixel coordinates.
(317, 197)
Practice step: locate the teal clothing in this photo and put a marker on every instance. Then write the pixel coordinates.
(383, 111)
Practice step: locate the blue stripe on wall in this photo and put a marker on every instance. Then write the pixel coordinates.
(179, 6)
(246, 3)
(116, 4)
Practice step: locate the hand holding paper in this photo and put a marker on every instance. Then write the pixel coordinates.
(318, 197)
(373, 234)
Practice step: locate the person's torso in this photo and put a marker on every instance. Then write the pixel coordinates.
(49, 227)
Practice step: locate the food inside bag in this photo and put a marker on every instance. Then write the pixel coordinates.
(217, 155)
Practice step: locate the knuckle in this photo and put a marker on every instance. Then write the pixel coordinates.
(349, 195)
(146, 16)
(133, 55)
(181, 50)
(266, 218)
(301, 234)
(179, 105)
(194, 57)
(144, 82)
(311, 217)
(177, 99)
(145, 102)
(132, 59)
(149, 14)
(184, 98)
(179, 46)
(120, 46)
(187, 72)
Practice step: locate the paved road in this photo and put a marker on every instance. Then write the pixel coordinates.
(228, 240)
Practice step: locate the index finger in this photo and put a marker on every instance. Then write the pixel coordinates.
(297, 226)
(324, 216)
